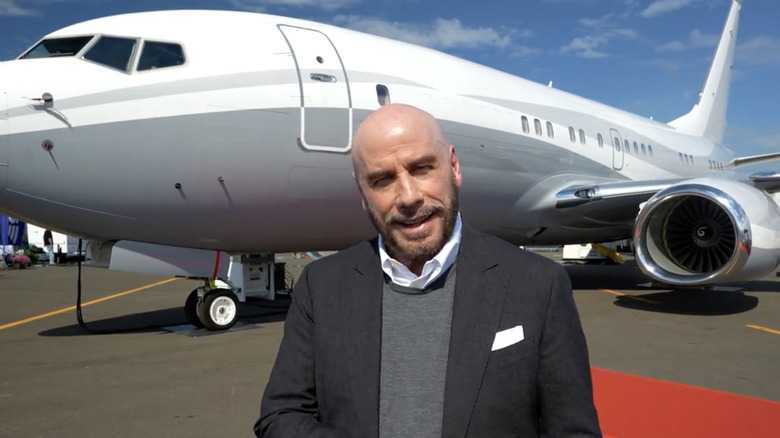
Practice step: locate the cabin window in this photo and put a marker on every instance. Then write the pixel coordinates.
(682, 160)
(636, 148)
(550, 132)
(572, 136)
(649, 150)
(112, 52)
(709, 162)
(526, 127)
(644, 150)
(582, 136)
(538, 127)
(617, 144)
(601, 140)
(54, 47)
(160, 55)
(382, 94)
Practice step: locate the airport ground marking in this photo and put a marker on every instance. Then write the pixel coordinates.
(621, 294)
(764, 329)
(89, 303)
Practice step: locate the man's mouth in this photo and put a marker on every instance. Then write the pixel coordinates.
(415, 227)
(415, 221)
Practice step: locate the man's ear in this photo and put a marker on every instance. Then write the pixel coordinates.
(455, 166)
(360, 190)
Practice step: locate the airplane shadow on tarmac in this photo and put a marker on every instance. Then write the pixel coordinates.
(641, 295)
(251, 315)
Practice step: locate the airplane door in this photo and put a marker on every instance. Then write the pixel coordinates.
(326, 106)
(617, 149)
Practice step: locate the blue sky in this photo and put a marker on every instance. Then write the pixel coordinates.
(646, 56)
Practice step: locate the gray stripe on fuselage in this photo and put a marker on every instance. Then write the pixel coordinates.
(130, 169)
(196, 85)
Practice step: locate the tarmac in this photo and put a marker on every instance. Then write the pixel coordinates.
(150, 374)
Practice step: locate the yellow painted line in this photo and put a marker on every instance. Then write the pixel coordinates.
(764, 329)
(99, 300)
(621, 294)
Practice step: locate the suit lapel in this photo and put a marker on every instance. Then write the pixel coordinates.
(480, 289)
(363, 316)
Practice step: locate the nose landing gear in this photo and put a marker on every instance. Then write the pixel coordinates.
(212, 308)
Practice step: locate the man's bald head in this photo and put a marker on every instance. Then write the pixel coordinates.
(394, 124)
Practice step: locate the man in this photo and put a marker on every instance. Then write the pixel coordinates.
(48, 243)
(433, 329)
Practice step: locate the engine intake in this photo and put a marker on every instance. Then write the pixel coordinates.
(692, 234)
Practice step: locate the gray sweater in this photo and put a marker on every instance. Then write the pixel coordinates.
(415, 343)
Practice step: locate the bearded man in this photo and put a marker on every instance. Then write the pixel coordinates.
(432, 329)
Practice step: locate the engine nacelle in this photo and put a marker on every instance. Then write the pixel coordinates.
(707, 231)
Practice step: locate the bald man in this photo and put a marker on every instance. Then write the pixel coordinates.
(432, 329)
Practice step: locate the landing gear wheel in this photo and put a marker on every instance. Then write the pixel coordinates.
(191, 308)
(218, 310)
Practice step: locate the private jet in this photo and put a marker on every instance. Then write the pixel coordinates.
(202, 143)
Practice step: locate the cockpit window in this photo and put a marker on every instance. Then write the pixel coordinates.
(160, 55)
(112, 52)
(52, 47)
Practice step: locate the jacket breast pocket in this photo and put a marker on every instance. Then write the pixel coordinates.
(512, 355)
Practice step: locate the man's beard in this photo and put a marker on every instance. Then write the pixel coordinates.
(412, 252)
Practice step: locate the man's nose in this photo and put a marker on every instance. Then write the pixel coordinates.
(409, 194)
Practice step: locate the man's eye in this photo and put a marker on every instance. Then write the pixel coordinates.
(381, 182)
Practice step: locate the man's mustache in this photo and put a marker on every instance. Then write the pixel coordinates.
(424, 211)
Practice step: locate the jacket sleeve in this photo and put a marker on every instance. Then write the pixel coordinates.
(564, 379)
(289, 405)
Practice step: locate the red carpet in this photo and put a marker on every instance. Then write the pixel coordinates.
(639, 407)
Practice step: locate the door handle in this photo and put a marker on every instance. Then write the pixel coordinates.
(322, 77)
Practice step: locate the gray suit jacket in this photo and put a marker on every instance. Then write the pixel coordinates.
(325, 382)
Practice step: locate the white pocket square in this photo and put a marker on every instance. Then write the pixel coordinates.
(508, 337)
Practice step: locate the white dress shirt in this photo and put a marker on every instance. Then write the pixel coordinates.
(433, 268)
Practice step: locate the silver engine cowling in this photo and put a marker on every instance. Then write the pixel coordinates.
(708, 231)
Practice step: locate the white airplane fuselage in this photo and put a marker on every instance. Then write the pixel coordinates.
(245, 147)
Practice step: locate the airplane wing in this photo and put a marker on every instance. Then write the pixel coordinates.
(617, 193)
(766, 181)
(617, 201)
(755, 159)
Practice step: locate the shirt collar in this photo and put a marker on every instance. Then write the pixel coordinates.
(433, 268)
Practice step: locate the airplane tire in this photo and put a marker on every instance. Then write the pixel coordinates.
(191, 309)
(219, 310)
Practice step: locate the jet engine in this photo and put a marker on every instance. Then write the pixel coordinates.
(707, 231)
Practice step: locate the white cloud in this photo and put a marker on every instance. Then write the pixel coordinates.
(674, 46)
(661, 7)
(754, 140)
(524, 52)
(695, 39)
(24, 8)
(261, 5)
(700, 39)
(442, 33)
(759, 51)
(585, 47)
(604, 31)
(12, 8)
